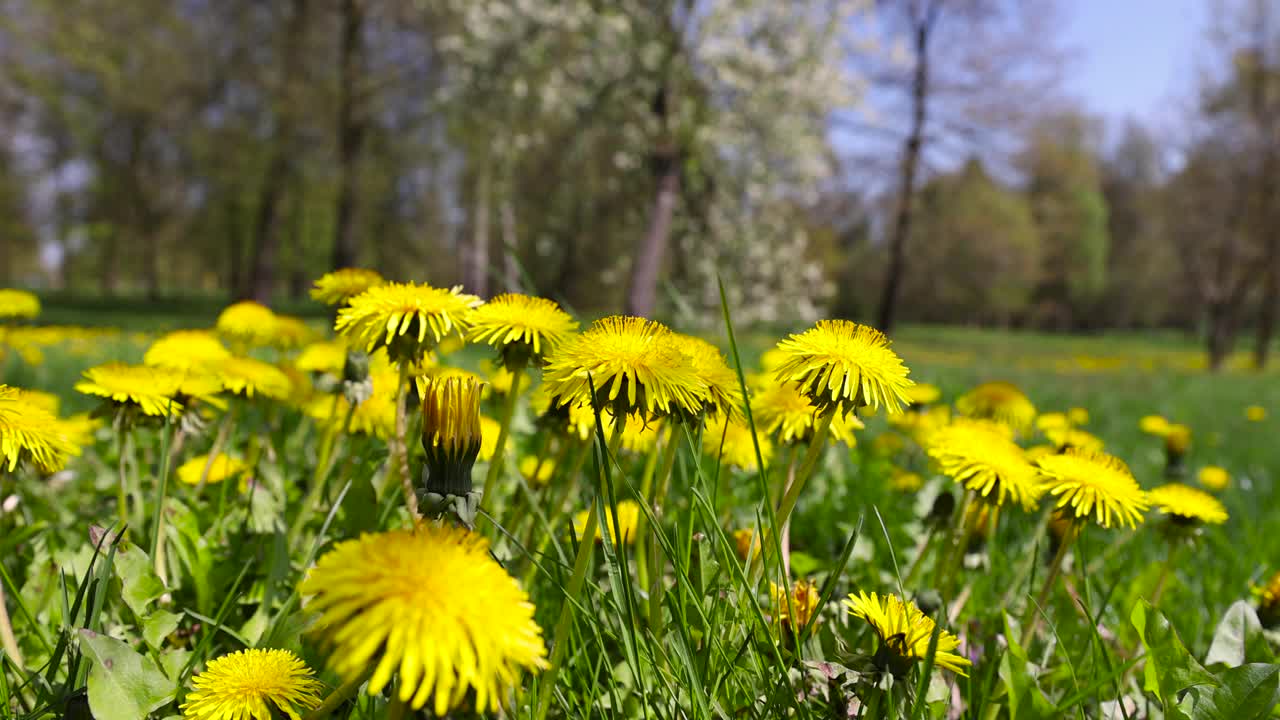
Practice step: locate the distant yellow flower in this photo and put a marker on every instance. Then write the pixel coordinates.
(291, 332)
(1094, 483)
(223, 467)
(904, 480)
(846, 365)
(524, 329)
(79, 429)
(731, 442)
(18, 304)
(1064, 438)
(1154, 425)
(537, 471)
(1255, 413)
(1269, 601)
(408, 319)
(500, 378)
(999, 401)
(253, 378)
(376, 416)
(781, 410)
(28, 431)
(1214, 477)
(1078, 416)
(888, 444)
(430, 606)
(724, 393)
(186, 350)
(489, 429)
(155, 391)
(248, 322)
(1177, 439)
(635, 365)
(795, 612)
(745, 540)
(1052, 421)
(253, 684)
(339, 286)
(628, 518)
(1187, 504)
(922, 394)
(905, 633)
(322, 357)
(980, 455)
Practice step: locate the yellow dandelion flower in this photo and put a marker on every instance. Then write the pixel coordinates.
(794, 610)
(253, 684)
(500, 379)
(392, 601)
(1078, 416)
(154, 391)
(223, 467)
(339, 286)
(522, 328)
(18, 304)
(782, 411)
(1177, 439)
(79, 429)
(999, 401)
(902, 480)
(724, 394)
(322, 357)
(1064, 438)
(1187, 505)
(28, 431)
(905, 632)
(1052, 421)
(1255, 413)
(1154, 425)
(48, 402)
(1035, 452)
(745, 540)
(1269, 601)
(628, 518)
(247, 322)
(981, 455)
(846, 365)
(922, 394)
(731, 442)
(636, 366)
(489, 429)
(254, 378)
(1214, 477)
(451, 434)
(537, 471)
(376, 416)
(291, 332)
(186, 350)
(1094, 483)
(408, 319)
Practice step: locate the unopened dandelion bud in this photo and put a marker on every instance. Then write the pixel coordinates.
(450, 435)
(356, 383)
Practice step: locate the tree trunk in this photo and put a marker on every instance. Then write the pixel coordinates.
(351, 135)
(1267, 313)
(510, 246)
(1221, 334)
(643, 295)
(477, 275)
(235, 247)
(266, 234)
(907, 181)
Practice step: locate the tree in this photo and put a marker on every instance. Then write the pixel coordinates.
(974, 67)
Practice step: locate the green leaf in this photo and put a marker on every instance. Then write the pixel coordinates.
(158, 626)
(1237, 638)
(1248, 691)
(1169, 668)
(174, 661)
(139, 583)
(123, 685)
(1017, 674)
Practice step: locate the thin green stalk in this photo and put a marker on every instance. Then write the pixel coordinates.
(1030, 619)
(320, 477)
(500, 450)
(122, 490)
(7, 639)
(918, 563)
(586, 546)
(157, 534)
(952, 551)
(816, 445)
(1172, 553)
(399, 461)
(224, 430)
(340, 694)
(655, 556)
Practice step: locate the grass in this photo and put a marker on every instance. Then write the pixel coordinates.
(680, 627)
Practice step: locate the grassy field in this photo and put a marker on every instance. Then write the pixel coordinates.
(678, 626)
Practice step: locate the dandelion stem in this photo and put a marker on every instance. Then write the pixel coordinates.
(504, 431)
(655, 556)
(951, 552)
(122, 490)
(157, 535)
(1165, 572)
(816, 445)
(586, 544)
(340, 694)
(1031, 619)
(7, 640)
(399, 447)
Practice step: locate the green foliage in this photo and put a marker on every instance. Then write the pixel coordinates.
(123, 684)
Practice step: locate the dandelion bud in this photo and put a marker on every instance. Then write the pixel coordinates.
(451, 438)
(356, 385)
(1177, 440)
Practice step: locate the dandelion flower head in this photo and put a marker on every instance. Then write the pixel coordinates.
(905, 632)
(32, 432)
(1093, 484)
(408, 319)
(253, 684)
(247, 322)
(999, 401)
(1187, 504)
(522, 328)
(846, 365)
(339, 286)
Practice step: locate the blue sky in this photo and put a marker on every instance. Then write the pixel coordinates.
(1132, 57)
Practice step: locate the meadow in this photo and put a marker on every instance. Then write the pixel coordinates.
(316, 532)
